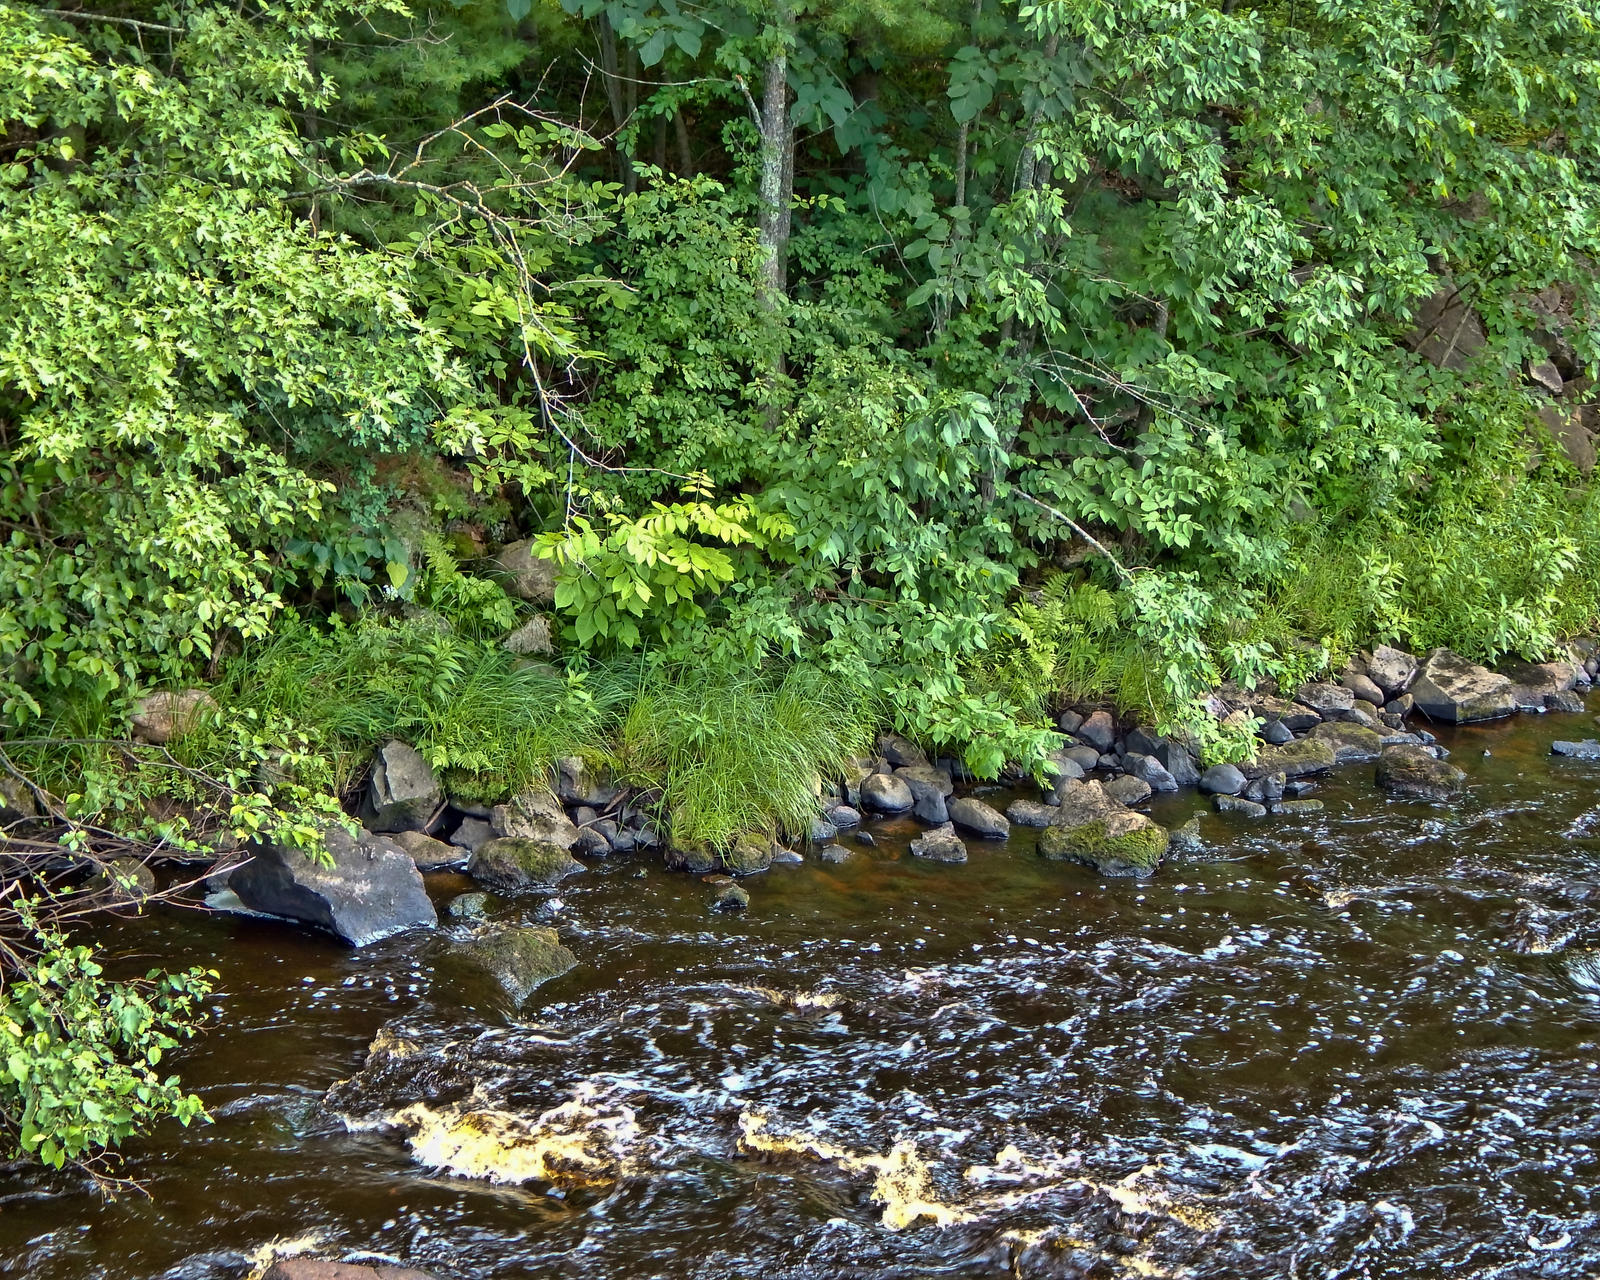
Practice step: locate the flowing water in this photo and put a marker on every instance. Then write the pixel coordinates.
(1357, 1045)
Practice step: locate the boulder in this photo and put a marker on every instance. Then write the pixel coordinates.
(1297, 808)
(1588, 749)
(939, 845)
(1543, 373)
(1029, 813)
(1448, 332)
(1392, 670)
(371, 890)
(1069, 722)
(1086, 758)
(1570, 702)
(979, 818)
(834, 854)
(165, 717)
(1223, 780)
(1128, 789)
(1150, 771)
(1098, 731)
(842, 816)
(1066, 770)
(469, 834)
(1451, 689)
(468, 906)
(318, 1269)
(531, 639)
(1573, 431)
(918, 776)
(1297, 759)
(577, 784)
(404, 793)
(1536, 683)
(748, 855)
(17, 802)
(886, 793)
(430, 854)
(520, 957)
(1275, 733)
(1267, 789)
(694, 856)
(730, 898)
(1238, 804)
(1093, 828)
(899, 751)
(1179, 761)
(1142, 741)
(535, 815)
(1329, 701)
(1363, 686)
(514, 864)
(1352, 743)
(526, 575)
(1413, 773)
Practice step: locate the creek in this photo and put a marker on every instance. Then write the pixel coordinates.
(1323, 1049)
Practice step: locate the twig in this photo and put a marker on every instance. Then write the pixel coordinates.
(1124, 573)
(76, 16)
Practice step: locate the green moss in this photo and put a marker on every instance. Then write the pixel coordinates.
(514, 864)
(1134, 849)
(521, 958)
(1294, 759)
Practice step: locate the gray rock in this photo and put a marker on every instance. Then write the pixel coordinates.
(520, 957)
(164, 717)
(1238, 804)
(1296, 759)
(1351, 743)
(1297, 808)
(514, 864)
(1069, 722)
(867, 838)
(1451, 689)
(900, 751)
(822, 831)
(430, 854)
(886, 793)
(1400, 706)
(930, 806)
(531, 639)
(843, 816)
(731, 898)
(1142, 741)
(1569, 702)
(1095, 829)
(1588, 749)
(979, 818)
(1276, 733)
(939, 845)
(1392, 670)
(1223, 780)
(1186, 841)
(535, 815)
(1266, 789)
(468, 835)
(1541, 679)
(1330, 701)
(789, 857)
(1128, 790)
(1179, 761)
(1028, 813)
(592, 842)
(404, 793)
(1109, 760)
(1086, 758)
(1448, 332)
(1363, 686)
(925, 775)
(1543, 373)
(748, 855)
(578, 784)
(833, 854)
(1413, 772)
(526, 575)
(371, 890)
(468, 906)
(1098, 731)
(694, 856)
(1149, 770)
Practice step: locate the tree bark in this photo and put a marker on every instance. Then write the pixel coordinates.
(777, 170)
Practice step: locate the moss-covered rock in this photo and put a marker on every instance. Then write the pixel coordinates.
(1351, 743)
(748, 855)
(1296, 759)
(695, 856)
(519, 958)
(515, 865)
(1094, 829)
(1413, 773)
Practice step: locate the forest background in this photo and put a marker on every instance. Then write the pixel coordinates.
(825, 366)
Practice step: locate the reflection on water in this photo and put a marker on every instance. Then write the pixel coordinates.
(1360, 1044)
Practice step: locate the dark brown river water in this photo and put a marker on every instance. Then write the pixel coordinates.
(1317, 1052)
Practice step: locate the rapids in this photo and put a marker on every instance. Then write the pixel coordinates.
(1357, 1044)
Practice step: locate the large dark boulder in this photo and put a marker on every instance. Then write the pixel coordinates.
(1413, 773)
(1451, 689)
(1098, 731)
(372, 889)
(404, 793)
(886, 793)
(1330, 701)
(979, 818)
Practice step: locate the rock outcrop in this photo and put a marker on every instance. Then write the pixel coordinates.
(1094, 829)
(1451, 689)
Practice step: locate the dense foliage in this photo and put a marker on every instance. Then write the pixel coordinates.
(934, 363)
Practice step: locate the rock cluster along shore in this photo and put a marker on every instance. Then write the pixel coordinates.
(1089, 811)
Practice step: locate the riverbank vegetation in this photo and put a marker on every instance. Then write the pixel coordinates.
(699, 387)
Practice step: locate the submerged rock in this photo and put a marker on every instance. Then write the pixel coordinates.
(1238, 804)
(1588, 749)
(372, 889)
(515, 865)
(404, 792)
(468, 906)
(1186, 840)
(1414, 773)
(834, 854)
(520, 957)
(1093, 828)
(1030, 813)
(1297, 808)
(980, 818)
(694, 856)
(730, 897)
(939, 845)
(1450, 688)
(1223, 780)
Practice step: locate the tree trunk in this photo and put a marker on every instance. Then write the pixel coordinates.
(680, 127)
(777, 171)
(611, 77)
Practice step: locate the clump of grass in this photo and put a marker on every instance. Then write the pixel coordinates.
(737, 752)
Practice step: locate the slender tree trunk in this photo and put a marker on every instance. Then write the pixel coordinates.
(680, 128)
(611, 74)
(777, 169)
